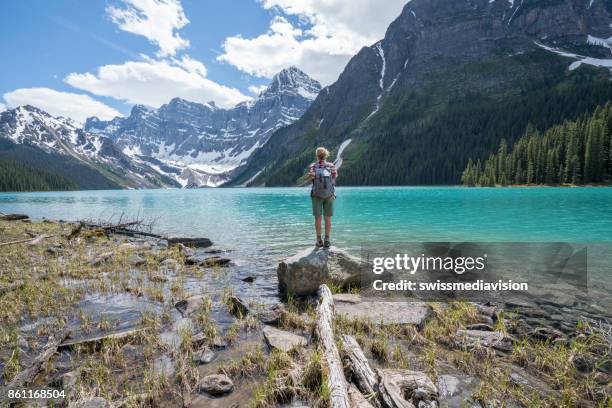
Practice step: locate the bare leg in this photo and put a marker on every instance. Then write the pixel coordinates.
(327, 226)
(318, 226)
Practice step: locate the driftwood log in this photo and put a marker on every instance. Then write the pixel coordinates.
(336, 382)
(32, 241)
(25, 377)
(365, 378)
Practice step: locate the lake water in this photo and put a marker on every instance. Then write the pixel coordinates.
(262, 226)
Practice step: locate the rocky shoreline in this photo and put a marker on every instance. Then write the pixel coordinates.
(127, 321)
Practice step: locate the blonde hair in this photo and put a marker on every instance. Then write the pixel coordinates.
(322, 153)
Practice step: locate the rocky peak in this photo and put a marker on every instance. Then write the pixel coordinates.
(292, 80)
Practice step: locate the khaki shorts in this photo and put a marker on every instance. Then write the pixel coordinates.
(323, 206)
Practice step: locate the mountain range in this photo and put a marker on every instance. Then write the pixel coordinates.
(449, 81)
(181, 144)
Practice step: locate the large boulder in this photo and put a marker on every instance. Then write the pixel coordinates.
(303, 273)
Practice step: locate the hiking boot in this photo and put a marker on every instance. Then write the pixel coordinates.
(319, 243)
(326, 244)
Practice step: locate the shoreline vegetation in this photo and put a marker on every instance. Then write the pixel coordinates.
(573, 153)
(147, 321)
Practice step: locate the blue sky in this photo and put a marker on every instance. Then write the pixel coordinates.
(82, 58)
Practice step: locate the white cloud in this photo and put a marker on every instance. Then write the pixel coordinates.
(334, 30)
(154, 82)
(75, 106)
(2, 107)
(155, 20)
(256, 90)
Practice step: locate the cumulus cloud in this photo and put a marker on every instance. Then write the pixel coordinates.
(330, 32)
(156, 20)
(154, 82)
(2, 107)
(256, 90)
(75, 106)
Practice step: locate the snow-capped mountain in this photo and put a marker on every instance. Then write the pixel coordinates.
(30, 126)
(201, 144)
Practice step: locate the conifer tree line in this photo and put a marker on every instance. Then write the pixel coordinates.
(578, 152)
(20, 177)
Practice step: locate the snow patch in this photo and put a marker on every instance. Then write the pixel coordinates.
(605, 63)
(343, 145)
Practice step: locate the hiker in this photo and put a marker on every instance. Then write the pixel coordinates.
(323, 193)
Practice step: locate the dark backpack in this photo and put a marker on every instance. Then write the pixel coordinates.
(323, 185)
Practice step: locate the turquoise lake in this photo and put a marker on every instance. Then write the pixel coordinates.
(263, 225)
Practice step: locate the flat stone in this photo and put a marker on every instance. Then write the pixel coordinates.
(190, 242)
(272, 315)
(455, 390)
(214, 261)
(136, 260)
(385, 312)
(203, 356)
(282, 340)
(187, 306)
(216, 384)
(481, 338)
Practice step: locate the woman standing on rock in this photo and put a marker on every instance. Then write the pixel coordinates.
(323, 193)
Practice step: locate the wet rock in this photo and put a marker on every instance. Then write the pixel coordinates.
(406, 388)
(486, 310)
(192, 260)
(185, 250)
(69, 380)
(94, 402)
(13, 217)
(248, 279)
(454, 390)
(214, 261)
(480, 338)
(187, 306)
(546, 333)
(190, 242)
(216, 384)
(170, 264)
(100, 259)
(282, 340)
(219, 343)
(480, 326)
(303, 273)
(584, 363)
(272, 315)
(485, 320)
(136, 260)
(203, 356)
(352, 307)
(238, 307)
(98, 338)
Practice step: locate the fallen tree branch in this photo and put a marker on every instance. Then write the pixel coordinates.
(22, 241)
(335, 380)
(365, 378)
(25, 377)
